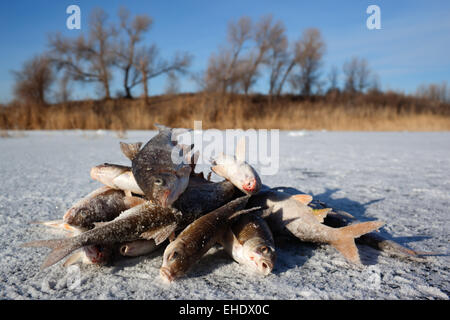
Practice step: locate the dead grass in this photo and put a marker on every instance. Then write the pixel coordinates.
(381, 112)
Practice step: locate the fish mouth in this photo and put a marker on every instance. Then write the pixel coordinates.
(95, 254)
(68, 216)
(250, 186)
(264, 267)
(166, 274)
(163, 198)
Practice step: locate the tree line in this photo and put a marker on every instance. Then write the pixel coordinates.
(92, 57)
(252, 50)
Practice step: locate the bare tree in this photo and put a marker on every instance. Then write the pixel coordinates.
(34, 80)
(150, 65)
(357, 75)
(286, 70)
(217, 76)
(363, 75)
(309, 50)
(278, 57)
(172, 84)
(63, 92)
(434, 91)
(333, 76)
(225, 68)
(87, 60)
(269, 40)
(126, 49)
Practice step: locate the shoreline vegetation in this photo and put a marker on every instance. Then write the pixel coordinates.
(335, 111)
(300, 94)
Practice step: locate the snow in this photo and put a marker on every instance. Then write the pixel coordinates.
(402, 178)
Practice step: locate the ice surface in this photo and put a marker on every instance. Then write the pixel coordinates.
(402, 178)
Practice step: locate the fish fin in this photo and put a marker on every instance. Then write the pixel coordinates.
(74, 258)
(61, 248)
(130, 150)
(159, 234)
(61, 225)
(320, 214)
(241, 212)
(209, 176)
(172, 236)
(219, 170)
(194, 159)
(303, 198)
(131, 201)
(240, 149)
(345, 243)
(161, 127)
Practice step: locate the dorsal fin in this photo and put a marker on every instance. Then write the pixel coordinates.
(321, 213)
(240, 149)
(303, 198)
(194, 159)
(130, 150)
(161, 127)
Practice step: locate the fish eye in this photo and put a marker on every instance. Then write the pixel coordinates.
(173, 255)
(158, 181)
(264, 249)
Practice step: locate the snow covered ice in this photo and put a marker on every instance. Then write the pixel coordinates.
(402, 178)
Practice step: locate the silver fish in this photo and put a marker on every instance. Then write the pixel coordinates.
(376, 240)
(116, 177)
(93, 254)
(194, 241)
(161, 169)
(145, 221)
(201, 196)
(236, 170)
(250, 242)
(285, 214)
(103, 204)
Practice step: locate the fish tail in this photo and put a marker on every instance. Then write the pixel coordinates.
(345, 242)
(75, 258)
(60, 249)
(61, 225)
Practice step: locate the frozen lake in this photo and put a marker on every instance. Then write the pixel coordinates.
(401, 178)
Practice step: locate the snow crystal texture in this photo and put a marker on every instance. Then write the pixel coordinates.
(402, 178)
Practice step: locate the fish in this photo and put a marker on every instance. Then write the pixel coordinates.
(250, 242)
(198, 237)
(287, 215)
(339, 218)
(116, 177)
(376, 240)
(144, 221)
(161, 168)
(95, 254)
(103, 204)
(236, 170)
(201, 196)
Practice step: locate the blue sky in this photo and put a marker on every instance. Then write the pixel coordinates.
(411, 48)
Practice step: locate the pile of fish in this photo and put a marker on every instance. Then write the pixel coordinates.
(160, 201)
